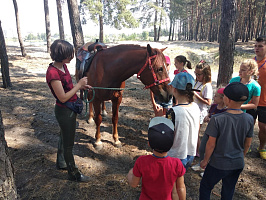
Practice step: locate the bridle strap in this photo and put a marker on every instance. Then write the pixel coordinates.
(156, 81)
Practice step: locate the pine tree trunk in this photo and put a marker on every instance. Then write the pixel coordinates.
(210, 39)
(23, 51)
(263, 20)
(47, 25)
(197, 22)
(226, 38)
(101, 28)
(60, 20)
(155, 23)
(75, 23)
(4, 62)
(170, 31)
(7, 183)
(191, 24)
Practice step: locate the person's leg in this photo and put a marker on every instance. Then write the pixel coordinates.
(262, 135)
(67, 122)
(60, 161)
(198, 142)
(187, 161)
(262, 130)
(229, 183)
(210, 178)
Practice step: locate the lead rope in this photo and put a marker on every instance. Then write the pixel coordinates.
(85, 99)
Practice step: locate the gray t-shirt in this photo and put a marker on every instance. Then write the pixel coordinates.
(230, 131)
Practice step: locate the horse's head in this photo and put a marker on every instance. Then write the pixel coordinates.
(155, 75)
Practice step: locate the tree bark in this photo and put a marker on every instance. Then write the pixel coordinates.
(23, 51)
(60, 20)
(76, 29)
(226, 38)
(170, 30)
(210, 29)
(198, 20)
(155, 23)
(191, 24)
(263, 20)
(4, 62)
(47, 25)
(101, 28)
(7, 183)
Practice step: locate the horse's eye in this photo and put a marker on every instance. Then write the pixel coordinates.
(160, 69)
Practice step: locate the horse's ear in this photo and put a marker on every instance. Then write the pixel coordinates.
(150, 50)
(163, 49)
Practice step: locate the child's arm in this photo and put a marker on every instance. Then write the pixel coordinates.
(157, 110)
(247, 145)
(203, 100)
(252, 104)
(208, 151)
(132, 179)
(181, 188)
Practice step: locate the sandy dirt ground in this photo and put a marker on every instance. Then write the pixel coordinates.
(31, 132)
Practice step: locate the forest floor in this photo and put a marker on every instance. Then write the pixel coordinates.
(31, 132)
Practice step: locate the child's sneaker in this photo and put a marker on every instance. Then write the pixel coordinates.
(263, 154)
(196, 167)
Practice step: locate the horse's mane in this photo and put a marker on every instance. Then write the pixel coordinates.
(129, 47)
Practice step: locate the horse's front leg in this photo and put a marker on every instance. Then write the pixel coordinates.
(116, 101)
(98, 121)
(115, 107)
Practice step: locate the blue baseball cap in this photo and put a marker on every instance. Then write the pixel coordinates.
(183, 81)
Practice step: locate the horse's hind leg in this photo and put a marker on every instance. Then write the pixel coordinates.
(104, 113)
(98, 121)
(90, 120)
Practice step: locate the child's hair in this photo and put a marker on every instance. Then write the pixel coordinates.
(261, 39)
(252, 66)
(206, 70)
(184, 60)
(188, 93)
(61, 50)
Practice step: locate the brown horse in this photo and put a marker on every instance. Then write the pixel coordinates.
(112, 66)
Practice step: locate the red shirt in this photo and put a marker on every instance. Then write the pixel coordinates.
(55, 74)
(158, 176)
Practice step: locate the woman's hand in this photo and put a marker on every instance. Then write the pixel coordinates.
(82, 82)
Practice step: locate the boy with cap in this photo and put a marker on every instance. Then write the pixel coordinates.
(159, 173)
(230, 134)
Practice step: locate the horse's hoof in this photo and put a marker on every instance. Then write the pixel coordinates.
(104, 113)
(98, 145)
(90, 121)
(118, 144)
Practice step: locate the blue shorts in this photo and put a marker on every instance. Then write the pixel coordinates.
(187, 162)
